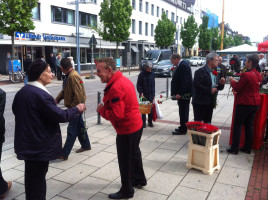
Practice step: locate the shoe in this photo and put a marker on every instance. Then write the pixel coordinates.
(144, 125)
(248, 151)
(139, 184)
(63, 158)
(229, 150)
(9, 185)
(151, 125)
(178, 133)
(120, 195)
(82, 150)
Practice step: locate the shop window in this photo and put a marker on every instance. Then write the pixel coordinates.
(82, 55)
(62, 15)
(36, 12)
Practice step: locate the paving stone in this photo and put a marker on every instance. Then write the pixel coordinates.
(224, 192)
(163, 183)
(183, 152)
(172, 144)
(160, 137)
(149, 146)
(150, 167)
(113, 187)
(12, 174)
(73, 160)
(175, 166)
(147, 195)
(100, 196)
(111, 149)
(160, 155)
(100, 159)
(109, 172)
(95, 148)
(85, 189)
(55, 187)
(10, 163)
(184, 193)
(8, 154)
(58, 198)
(15, 192)
(75, 174)
(102, 133)
(234, 176)
(110, 140)
(240, 161)
(197, 180)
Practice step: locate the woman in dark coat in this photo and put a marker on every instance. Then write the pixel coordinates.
(4, 186)
(247, 102)
(37, 131)
(146, 88)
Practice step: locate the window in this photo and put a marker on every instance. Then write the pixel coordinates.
(133, 26)
(140, 27)
(134, 4)
(146, 28)
(152, 30)
(62, 15)
(36, 12)
(88, 19)
(181, 20)
(152, 9)
(147, 7)
(172, 17)
(157, 11)
(140, 5)
(177, 19)
(163, 11)
(167, 13)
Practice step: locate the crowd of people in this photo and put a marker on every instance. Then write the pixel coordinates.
(38, 137)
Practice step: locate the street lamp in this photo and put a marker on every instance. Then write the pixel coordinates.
(77, 20)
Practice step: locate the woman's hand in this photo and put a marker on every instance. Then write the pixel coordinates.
(232, 79)
(81, 107)
(99, 107)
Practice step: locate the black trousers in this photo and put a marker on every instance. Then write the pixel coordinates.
(150, 117)
(203, 113)
(3, 183)
(130, 161)
(35, 179)
(184, 107)
(59, 73)
(244, 115)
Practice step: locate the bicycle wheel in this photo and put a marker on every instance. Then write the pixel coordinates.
(14, 78)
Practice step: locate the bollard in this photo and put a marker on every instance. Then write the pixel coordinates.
(99, 100)
(167, 88)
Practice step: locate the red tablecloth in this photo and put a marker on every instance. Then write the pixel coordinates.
(259, 124)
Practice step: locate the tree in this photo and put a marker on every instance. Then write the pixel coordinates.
(164, 32)
(189, 32)
(115, 16)
(15, 15)
(216, 39)
(248, 42)
(205, 34)
(237, 40)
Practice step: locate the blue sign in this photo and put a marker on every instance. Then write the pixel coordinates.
(33, 36)
(16, 65)
(118, 63)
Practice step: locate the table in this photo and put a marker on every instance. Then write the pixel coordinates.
(259, 124)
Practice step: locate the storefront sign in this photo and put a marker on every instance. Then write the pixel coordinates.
(42, 37)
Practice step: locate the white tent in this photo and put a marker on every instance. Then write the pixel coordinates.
(242, 49)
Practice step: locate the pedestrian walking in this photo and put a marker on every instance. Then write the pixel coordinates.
(26, 65)
(207, 83)
(73, 93)
(5, 186)
(57, 63)
(120, 106)
(247, 102)
(146, 89)
(52, 62)
(37, 131)
(221, 69)
(181, 90)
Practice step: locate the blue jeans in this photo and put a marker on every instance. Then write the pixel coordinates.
(75, 128)
(26, 79)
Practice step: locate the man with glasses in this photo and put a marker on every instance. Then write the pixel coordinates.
(207, 83)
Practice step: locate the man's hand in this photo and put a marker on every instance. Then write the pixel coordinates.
(178, 97)
(81, 107)
(222, 81)
(231, 79)
(142, 95)
(56, 102)
(214, 90)
(99, 107)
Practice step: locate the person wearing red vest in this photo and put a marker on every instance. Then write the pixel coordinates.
(120, 106)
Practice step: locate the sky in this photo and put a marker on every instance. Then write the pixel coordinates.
(248, 17)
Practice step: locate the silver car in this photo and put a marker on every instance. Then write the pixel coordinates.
(164, 68)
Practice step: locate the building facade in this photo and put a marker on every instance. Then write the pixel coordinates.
(55, 32)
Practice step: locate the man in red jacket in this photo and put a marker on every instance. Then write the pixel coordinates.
(122, 109)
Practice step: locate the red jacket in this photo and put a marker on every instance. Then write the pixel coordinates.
(121, 106)
(247, 88)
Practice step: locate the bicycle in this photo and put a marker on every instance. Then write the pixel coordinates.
(16, 76)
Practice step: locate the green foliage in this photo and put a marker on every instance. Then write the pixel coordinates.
(15, 15)
(164, 32)
(116, 18)
(216, 39)
(237, 40)
(248, 42)
(205, 34)
(189, 32)
(227, 41)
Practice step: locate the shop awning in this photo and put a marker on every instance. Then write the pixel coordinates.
(146, 48)
(134, 48)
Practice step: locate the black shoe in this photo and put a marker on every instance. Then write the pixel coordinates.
(144, 125)
(139, 184)
(151, 125)
(248, 151)
(179, 130)
(120, 195)
(178, 133)
(229, 150)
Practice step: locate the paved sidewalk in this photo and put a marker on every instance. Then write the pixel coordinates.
(94, 174)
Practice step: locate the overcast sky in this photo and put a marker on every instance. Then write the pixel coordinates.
(248, 17)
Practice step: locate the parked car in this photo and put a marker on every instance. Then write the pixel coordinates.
(195, 60)
(164, 68)
(203, 61)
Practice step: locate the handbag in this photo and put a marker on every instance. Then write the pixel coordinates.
(154, 113)
(159, 114)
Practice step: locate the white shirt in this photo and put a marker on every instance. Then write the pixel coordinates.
(39, 85)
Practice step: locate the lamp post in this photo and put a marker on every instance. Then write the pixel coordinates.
(77, 21)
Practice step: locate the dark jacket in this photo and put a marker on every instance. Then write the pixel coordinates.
(52, 62)
(146, 85)
(203, 85)
(247, 88)
(37, 130)
(2, 119)
(222, 70)
(121, 106)
(182, 81)
(27, 64)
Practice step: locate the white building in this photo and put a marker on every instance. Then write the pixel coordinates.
(56, 31)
